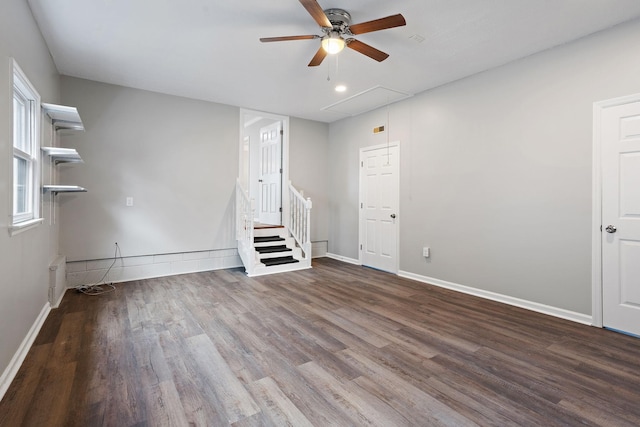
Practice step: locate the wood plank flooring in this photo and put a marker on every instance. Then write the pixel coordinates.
(337, 345)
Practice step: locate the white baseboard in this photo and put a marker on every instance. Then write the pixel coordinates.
(16, 361)
(149, 266)
(517, 302)
(59, 300)
(343, 258)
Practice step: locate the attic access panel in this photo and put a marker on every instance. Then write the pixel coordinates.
(370, 99)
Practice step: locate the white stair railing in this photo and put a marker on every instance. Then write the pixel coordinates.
(245, 210)
(299, 220)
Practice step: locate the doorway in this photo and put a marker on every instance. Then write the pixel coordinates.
(269, 206)
(616, 213)
(264, 153)
(379, 206)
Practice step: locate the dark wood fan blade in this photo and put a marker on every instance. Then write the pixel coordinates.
(316, 13)
(318, 57)
(365, 49)
(378, 24)
(287, 38)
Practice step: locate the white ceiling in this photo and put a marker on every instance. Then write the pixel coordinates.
(209, 49)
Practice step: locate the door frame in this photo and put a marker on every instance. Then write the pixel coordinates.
(596, 232)
(361, 211)
(285, 153)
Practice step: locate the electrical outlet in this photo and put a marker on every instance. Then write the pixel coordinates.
(426, 252)
(129, 201)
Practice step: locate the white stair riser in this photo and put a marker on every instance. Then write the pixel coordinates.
(273, 243)
(274, 255)
(261, 269)
(262, 232)
(288, 242)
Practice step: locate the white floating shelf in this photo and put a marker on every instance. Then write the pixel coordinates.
(62, 155)
(63, 189)
(63, 117)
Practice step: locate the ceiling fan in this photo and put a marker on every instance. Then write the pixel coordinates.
(337, 29)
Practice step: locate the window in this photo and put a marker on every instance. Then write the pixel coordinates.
(26, 151)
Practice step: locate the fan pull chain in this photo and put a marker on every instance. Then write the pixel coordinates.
(329, 67)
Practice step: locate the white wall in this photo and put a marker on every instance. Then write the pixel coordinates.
(496, 171)
(24, 258)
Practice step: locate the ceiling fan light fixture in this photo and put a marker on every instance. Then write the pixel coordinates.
(335, 25)
(332, 43)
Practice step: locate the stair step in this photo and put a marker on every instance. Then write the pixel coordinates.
(258, 226)
(263, 239)
(272, 249)
(278, 260)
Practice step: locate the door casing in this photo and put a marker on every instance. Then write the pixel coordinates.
(397, 202)
(596, 233)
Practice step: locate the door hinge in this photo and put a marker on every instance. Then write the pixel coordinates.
(360, 247)
(361, 164)
(280, 170)
(281, 131)
(361, 205)
(601, 228)
(280, 208)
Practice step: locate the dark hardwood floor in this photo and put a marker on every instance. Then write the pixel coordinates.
(336, 345)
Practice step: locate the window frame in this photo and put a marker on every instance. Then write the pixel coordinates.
(26, 94)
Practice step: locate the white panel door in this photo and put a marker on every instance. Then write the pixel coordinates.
(270, 177)
(379, 189)
(621, 217)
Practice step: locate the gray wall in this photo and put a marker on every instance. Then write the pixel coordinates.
(24, 258)
(177, 158)
(308, 168)
(496, 171)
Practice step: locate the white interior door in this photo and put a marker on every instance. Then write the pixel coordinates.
(379, 190)
(620, 145)
(270, 177)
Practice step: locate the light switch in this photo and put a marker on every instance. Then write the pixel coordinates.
(426, 252)
(129, 201)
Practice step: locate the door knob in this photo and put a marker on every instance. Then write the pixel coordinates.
(393, 216)
(611, 229)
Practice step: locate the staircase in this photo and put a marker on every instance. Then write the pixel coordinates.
(275, 249)
(268, 249)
